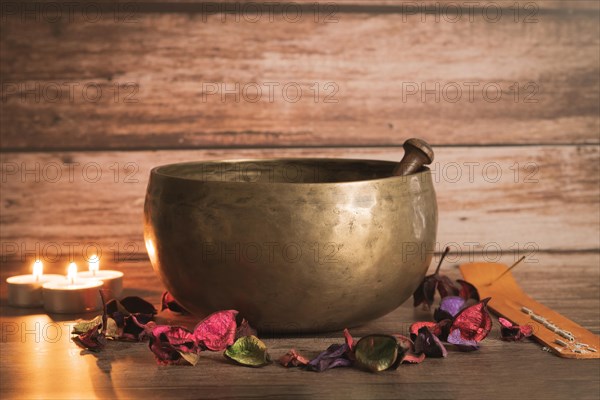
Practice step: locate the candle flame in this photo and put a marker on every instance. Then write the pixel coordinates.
(94, 264)
(72, 273)
(38, 270)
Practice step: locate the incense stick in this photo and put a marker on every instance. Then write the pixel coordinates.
(508, 270)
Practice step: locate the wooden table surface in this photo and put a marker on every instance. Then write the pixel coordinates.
(38, 360)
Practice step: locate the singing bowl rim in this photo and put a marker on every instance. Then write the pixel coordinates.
(157, 171)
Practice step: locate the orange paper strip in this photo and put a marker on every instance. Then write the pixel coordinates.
(558, 333)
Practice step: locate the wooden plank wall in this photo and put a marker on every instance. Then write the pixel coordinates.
(94, 96)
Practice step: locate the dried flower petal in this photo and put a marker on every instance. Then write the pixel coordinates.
(452, 305)
(293, 359)
(349, 340)
(168, 302)
(467, 291)
(114, 306)
(249, 351)
(83, 326)
(137, 305)
(217, 331)
(429, 344)
(335, 356)
(462, 344)
(408, 351)
(173, 345)
(376, 352)
(245, 330)
(513, 332)
(416, 326)
(134, 327)
(446, 287)
(425, 292)
(92, 340)
(473, 322)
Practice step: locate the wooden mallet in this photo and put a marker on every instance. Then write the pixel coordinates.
(417, 153)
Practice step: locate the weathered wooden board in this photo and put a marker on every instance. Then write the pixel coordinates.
(37, 355)
(381, 77)
(509, 199)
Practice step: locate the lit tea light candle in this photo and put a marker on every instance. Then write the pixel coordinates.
(113, 280)
(72, 294)
(26, 290)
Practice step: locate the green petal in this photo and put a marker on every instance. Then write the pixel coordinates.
(249, 351)
(82, 326)
(112, 330)
(191, 358)
(376, 352)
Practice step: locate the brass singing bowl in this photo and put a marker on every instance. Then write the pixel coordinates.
(295, 245)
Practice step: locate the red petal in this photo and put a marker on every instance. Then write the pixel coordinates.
(433, 327)
(474, 322)
(446, 287)
(217, 331)
(349, 340)
(526, 330)
(293, 359)
(467, 290)
(168, 302)
(408, 346)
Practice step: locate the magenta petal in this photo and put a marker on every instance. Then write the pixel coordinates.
(180, 338)
(456, 338)
(217, 331)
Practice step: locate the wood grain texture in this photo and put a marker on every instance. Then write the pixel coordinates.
(507, 199)
(376, 65)
(38, 366)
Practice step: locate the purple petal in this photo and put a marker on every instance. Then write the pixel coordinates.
(428, 344)
(456, 338)
(335, 356)
(452, 305)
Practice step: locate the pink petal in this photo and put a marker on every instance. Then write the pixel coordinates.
(217, 331)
